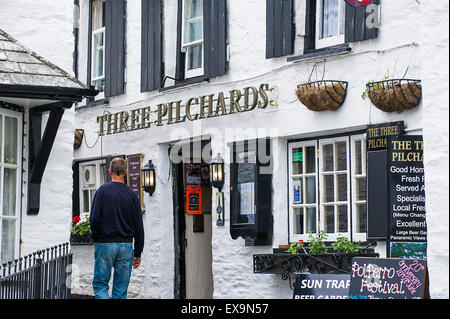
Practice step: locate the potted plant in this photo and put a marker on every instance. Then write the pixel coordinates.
(394, 95)
(81, 230)
(324, 95)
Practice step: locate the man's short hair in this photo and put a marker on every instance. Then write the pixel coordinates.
(118, 166)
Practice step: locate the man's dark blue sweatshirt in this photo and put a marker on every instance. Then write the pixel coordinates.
(116, 216)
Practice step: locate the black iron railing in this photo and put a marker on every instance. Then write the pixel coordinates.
(43, 274)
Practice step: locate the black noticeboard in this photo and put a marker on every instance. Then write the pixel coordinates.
(383, 278)
(377, 184)
(377, 217)
(406, 196)
(322, 286)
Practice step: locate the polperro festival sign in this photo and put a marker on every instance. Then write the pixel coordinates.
(191, 109)
(388, 278)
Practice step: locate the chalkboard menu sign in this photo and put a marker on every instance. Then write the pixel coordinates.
(383, 278)
(322, 286)
(406, 187)
(134, 164)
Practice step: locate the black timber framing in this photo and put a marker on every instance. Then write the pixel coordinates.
(40, 148)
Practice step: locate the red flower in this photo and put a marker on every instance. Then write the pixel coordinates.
(76, 219)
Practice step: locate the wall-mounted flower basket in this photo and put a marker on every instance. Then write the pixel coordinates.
(395, 95)
(293, 264)
(78, 240)
(325, 95)
(78, 138)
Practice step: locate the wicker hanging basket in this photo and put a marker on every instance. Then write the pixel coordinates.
(325, 95)
(395, 95)
(78, 138)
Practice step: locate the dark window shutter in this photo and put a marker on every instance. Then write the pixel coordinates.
(76, 189)
(280, 28)
(151, 45)
(181, 56)
(114, 47)
(215, 37)
(310, 26)
(355, 24)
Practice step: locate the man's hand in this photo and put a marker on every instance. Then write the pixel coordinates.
(136, 262)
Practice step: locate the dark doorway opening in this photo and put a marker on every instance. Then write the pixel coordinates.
(192, 193)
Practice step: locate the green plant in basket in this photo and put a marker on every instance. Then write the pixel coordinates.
(317, 242)
(81, 225)
(295, 247)
(344, 245)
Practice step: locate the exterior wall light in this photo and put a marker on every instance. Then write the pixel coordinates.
(149, 178)
(216, 172)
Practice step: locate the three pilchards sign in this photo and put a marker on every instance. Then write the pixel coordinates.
(322, 286)
(383, 278)
(377, 134)
(192, 109)
(406, 184)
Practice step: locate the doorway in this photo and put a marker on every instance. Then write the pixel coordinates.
(192, 193)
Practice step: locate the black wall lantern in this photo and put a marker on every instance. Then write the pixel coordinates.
(149, 178)
(216, 172)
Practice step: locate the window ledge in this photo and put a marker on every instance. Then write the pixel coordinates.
(90, 104)
(328, 51)
(186, 82)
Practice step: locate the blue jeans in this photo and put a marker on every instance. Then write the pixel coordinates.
(112, 255)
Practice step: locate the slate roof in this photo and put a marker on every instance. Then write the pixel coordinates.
(21, 66)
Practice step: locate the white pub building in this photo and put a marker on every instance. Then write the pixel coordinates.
(264, 123)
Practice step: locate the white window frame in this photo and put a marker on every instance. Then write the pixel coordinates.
(95, 80)
(185, 46)
(98, 171)
(18, 167)
(93, 65)
(292, 177)
(354, 138)
(330, 41)
(335, 173)
(351, 202)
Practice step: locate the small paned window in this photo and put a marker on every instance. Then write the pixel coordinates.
(92, 176)
(98, 44)
(10, 183)
(327, 188)
(330, 23)
(192, 35)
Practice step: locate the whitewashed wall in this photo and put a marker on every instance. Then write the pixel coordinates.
(45, 27)
(435, 65)
(396, 49)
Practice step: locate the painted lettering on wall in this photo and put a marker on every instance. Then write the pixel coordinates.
(195, 108)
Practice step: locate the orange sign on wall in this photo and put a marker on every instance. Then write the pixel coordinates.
(193, 200)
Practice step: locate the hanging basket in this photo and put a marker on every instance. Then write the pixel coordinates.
(78, 138)
(325, 95)
(395, 95)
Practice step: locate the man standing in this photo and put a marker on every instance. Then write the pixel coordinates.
(115, 219)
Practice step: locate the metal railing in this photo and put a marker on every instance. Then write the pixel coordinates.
(43, 274)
